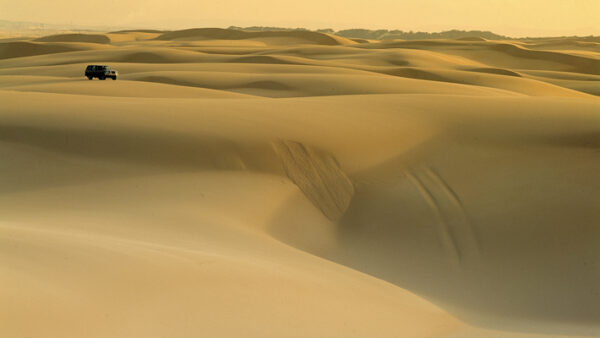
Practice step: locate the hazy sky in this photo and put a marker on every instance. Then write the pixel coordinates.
(509, 17)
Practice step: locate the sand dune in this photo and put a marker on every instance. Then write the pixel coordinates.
(90, 38)
(122, 88)
(296, 184)
(474, 38)
(294, 85)
(282, 37)
(23, 48)
(505, 54)
(129, 36)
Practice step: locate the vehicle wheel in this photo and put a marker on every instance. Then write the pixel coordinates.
(114, 78)
(90, 78)
(102, 78)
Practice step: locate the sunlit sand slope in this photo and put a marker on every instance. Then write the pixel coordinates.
(298, 184)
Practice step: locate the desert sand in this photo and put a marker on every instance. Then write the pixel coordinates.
(299, 184)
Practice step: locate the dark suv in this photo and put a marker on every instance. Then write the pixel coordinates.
(101, 72)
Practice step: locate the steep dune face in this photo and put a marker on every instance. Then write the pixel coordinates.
(159, 161)
(280, 184)
(318, 176)
(479, 240)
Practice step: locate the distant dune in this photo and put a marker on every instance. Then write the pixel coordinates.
(137, 31)
(231, 34)
(288, 183)
(471, 38)
(384, 34)
(91, 38)
(25, 48)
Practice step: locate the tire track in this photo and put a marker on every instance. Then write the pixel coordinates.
(455, 199)
(446, 236)
(457, 233)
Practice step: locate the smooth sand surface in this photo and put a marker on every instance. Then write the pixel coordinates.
(298, 184)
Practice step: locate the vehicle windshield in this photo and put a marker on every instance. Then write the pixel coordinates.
(98, 68)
